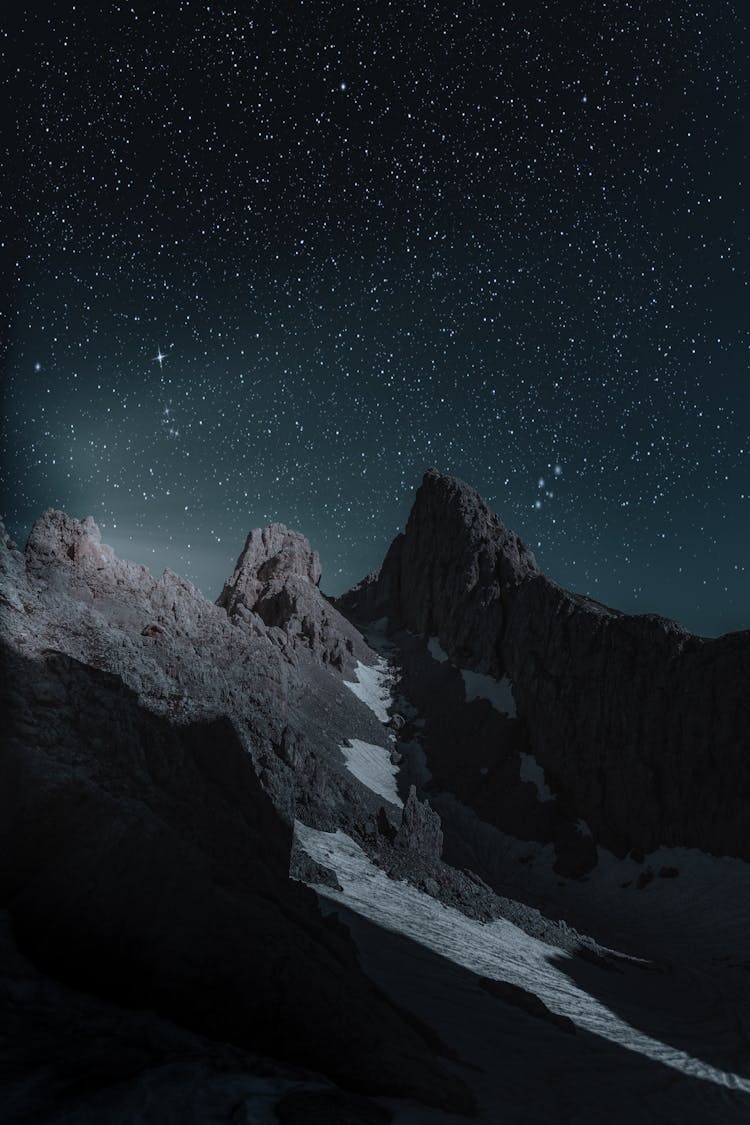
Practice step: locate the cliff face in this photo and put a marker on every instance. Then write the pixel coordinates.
(643, 729)
(451, 570)
(156, 752)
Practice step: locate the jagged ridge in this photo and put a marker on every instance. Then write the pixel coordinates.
(156, 753)
(642, 727)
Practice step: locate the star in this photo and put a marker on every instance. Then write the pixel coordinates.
(160, 357)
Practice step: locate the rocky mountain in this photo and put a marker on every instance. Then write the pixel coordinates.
(157, 750)
(642, 730)
(392, 857)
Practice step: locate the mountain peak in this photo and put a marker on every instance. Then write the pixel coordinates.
(271, 556)
(453, 560)
(594, 688)
(448, 502)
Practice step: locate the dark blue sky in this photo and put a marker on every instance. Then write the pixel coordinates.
(507, 240)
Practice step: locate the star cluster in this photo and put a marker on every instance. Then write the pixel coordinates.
(271, 261)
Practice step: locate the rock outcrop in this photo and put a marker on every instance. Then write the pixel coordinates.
(276, 580)
(156, 752)
(420, 829)
(57, 536)
(642, 729)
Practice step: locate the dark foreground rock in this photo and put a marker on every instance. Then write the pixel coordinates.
(640, 727)
(528, 1001)
(69, 1058)
(326, 1108)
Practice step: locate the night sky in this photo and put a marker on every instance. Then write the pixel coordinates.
(509, 240)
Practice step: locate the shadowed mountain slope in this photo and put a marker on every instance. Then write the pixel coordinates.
(155, 756)
(642, 728)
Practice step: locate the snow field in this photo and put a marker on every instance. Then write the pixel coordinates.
(499, 950)
(373, 767)
(436, 651)
(373, 688)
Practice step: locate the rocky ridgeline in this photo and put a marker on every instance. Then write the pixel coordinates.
(642, 728)
(157, 749)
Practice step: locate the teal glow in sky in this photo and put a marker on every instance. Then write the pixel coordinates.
(272, 263)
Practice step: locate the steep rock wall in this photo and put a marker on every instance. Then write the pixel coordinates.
(644, 728)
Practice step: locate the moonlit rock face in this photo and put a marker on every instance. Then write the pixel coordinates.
(272, 554)
(421, 828)
(57, 535)
(155, 751)
(276, 582)
(448, 574)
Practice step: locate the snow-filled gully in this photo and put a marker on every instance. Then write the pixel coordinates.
(369, 763)
(499, 949)
(371, 686)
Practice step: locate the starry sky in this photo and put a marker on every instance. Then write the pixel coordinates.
(271, 261)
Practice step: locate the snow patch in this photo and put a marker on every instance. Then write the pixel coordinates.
(372, 687)
(436, 651)
(533, 772)
(373, 767)
(498, 949)
(498, 692)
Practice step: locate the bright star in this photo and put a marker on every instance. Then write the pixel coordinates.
(160, 357)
